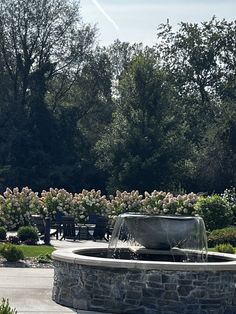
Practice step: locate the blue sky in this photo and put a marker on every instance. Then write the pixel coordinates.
(137, 20)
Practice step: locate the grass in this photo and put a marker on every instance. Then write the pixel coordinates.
(34, 250)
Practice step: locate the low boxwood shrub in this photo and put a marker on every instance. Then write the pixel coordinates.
(11, 253)
(5, 307)
(225, 248)
(3, 234)
(215, 211)
(221, 236)
(28, 235)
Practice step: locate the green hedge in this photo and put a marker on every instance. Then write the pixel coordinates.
(222, 236)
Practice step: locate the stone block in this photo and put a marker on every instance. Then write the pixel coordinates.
(185, 290)
(157, 293)
(170, 286)
(170, 295)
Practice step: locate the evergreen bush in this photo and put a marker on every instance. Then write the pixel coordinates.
(225, 248)
(28, 234)
(221, 236)
(11, 253)
(215, 211)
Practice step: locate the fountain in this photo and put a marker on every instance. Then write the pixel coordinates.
(154, 264)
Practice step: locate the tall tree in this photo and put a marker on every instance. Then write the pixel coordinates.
(200, 60)
(40, 42)
(141, 149)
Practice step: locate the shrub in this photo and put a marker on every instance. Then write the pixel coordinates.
(3, 233)
(5, 308)
(230, 196)
(28, 234)
(16, 207)
(89, 202)
(221, 236)
(215, 212)
(11, 253)
(162, 203)
(56, 201)
(124, 202)
(225, 248)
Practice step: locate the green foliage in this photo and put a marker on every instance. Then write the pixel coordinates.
(140, 149)
(3, 233)
(44, 258)
(199, 59)
(215, 212)
(221, 236)
(28, 234)
(125, 117)
(11, 253)
(5, 307)
(225, 248)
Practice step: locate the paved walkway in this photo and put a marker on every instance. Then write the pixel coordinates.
(29, 290)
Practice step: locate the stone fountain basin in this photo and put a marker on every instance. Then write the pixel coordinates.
(93, 283)
(84, 256)
(164, 232)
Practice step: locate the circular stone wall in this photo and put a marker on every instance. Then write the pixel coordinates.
(131, 286)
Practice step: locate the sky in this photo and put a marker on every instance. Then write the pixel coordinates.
(137, 20)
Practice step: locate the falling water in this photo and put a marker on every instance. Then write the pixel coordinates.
(153, 235)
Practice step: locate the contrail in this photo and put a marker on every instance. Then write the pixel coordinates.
(100, 8)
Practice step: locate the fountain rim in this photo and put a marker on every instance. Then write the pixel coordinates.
(151, 216)
(75, 256)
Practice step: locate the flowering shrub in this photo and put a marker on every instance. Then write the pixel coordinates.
(229, 195)
(167, 204)
(56, 201)
(124, 202)
(88, 202)
(16, 207)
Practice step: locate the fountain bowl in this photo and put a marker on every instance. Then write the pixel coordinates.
(164, 232)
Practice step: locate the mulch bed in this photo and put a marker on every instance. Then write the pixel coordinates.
(27, 263)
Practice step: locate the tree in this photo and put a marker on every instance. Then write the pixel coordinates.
(143, 146)
(82, 116)
(200, 61)
(41, 42)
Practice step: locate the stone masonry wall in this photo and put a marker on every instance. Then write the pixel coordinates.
(144, 292)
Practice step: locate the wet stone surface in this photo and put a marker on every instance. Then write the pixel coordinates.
(144, 291)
